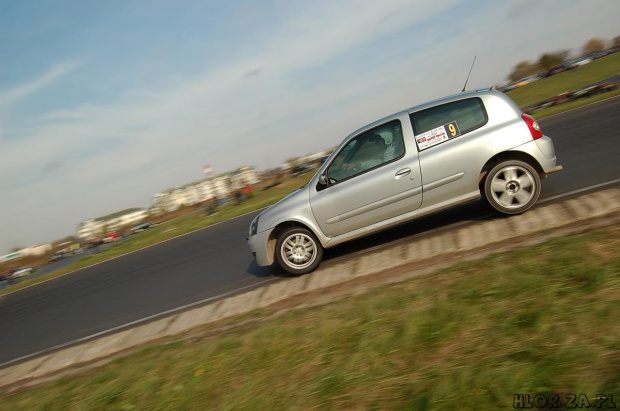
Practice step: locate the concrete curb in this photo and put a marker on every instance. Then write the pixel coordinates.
(438, 251)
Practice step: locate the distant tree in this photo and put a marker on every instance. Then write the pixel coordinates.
(563, 54)
(15, 249)
(593, 46)
(523, 69)
(550, 60)
(616, 41)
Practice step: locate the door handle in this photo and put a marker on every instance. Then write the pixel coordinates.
(403, 172)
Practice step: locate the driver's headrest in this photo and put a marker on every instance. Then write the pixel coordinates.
(386, 135)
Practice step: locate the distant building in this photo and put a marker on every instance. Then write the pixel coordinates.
(12, 256)
(189, 194)
(221, 189)
(37, 250)
(309, 159)
(284, 167)
(219, 186)
(314, 158)
(242, 177)
(90, 229)
(169, 200)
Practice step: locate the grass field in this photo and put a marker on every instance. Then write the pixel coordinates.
(561, 108)
(593, 72)
(535, 320)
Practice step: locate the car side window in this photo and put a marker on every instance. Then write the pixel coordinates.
(457, 118)
(367, 151)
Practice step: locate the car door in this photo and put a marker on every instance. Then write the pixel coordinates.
(452, 148)
(374, 177)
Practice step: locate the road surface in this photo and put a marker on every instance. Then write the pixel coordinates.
(215, 261)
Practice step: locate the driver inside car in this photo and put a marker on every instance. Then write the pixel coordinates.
(383, 151)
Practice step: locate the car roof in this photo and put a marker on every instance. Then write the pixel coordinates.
(428, 104)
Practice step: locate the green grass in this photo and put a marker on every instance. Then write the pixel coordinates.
(176, 227)
(560, 108)
(597, 70)
(536, 320)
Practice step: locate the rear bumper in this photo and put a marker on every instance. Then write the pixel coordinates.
(546, 147)
(554, 169)
(543, 152)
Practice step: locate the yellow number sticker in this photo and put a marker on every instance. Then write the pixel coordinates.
(452, 130)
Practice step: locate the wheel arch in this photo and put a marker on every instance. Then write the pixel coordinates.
(278, 229)
(504, 156)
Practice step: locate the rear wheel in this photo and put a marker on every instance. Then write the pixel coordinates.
(512, 187)
(298, 251)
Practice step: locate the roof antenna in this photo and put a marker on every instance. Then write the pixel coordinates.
(466, 80)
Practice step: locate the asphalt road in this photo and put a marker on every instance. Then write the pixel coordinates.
(215, 261)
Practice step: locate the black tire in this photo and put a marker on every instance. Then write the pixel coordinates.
(298, 251)
(512, 187)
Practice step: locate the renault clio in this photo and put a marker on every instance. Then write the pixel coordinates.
(413, 163)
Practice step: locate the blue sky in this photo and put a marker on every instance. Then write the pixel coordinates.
(103, 104)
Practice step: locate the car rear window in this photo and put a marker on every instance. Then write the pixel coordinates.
(467, 115)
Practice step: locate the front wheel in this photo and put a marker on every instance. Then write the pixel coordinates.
(298, 251)
(512, 187)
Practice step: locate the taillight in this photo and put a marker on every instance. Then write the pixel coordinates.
(532, 124)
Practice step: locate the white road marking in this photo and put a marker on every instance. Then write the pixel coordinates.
(581, 190)
(129, 324)
(130, 252)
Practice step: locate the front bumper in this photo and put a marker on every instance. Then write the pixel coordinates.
(259, 246)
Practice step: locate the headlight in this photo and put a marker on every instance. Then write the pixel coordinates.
(254, 226)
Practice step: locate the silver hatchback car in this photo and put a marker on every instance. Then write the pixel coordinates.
(410, 164)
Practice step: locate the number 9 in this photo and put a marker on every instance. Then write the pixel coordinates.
(452, 129)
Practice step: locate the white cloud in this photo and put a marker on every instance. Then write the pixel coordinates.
(21, 92)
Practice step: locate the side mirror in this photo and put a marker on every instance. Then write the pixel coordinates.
(323, 180)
